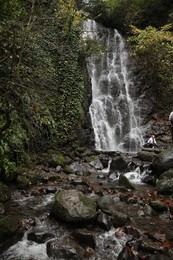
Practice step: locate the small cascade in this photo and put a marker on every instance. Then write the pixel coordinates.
(135, 174)
(107, 170)
(109, 245)
(25, 250)
(115, 112)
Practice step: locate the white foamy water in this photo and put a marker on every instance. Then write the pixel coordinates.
(26, 250)
(109, 245)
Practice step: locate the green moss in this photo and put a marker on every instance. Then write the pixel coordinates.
(61, 160)
(123, 181)
(87, 201)
(22, 182)
(67, 170)
(90, 159)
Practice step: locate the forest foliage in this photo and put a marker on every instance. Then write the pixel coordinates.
(41, 83)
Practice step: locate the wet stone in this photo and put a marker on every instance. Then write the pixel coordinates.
(119, 219)
(150, 246)
(84, 238)
(104, 220)
(158, 206)
(65, 249)
(51, 189)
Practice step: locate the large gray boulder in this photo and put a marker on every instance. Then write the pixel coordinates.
(165, 186)
(73, 206)
(162, 162)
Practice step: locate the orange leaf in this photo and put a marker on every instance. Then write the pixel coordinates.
(167, 244)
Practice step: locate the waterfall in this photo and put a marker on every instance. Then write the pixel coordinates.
(114, 111)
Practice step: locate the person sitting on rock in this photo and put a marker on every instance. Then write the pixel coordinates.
(152, 142)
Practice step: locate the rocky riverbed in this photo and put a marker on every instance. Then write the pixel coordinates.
(90, 205)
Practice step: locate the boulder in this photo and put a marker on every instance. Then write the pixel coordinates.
(65, 248)
(162, 162)
(124, 181)
(73, 206)
(84, 238)
(165, 186)
(167, 175)
(106, 204)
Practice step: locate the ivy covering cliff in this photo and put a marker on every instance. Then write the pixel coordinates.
(41, 84)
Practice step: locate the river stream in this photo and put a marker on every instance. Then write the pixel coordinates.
(34, 205)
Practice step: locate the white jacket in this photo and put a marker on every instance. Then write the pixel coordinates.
(152, 140)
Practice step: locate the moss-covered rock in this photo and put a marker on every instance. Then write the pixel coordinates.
(23, 182)
(73, 206)
(158, 206)
(55, 160)
(90, 158)
(124, 181)
(68, 170)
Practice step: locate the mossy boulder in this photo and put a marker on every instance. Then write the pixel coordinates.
(73, 206)
(23, 182)
(158, 206)
(55, 160)
(68, 170)
(90, 158)
(124, 181)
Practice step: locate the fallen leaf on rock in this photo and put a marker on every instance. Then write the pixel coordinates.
(167, 244)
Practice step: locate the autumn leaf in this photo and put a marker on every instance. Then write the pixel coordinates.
(167, 244)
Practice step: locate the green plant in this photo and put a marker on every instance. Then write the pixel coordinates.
(153, 50)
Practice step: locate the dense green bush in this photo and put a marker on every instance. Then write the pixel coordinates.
(153, 50)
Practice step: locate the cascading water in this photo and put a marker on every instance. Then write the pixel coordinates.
(115, 113)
